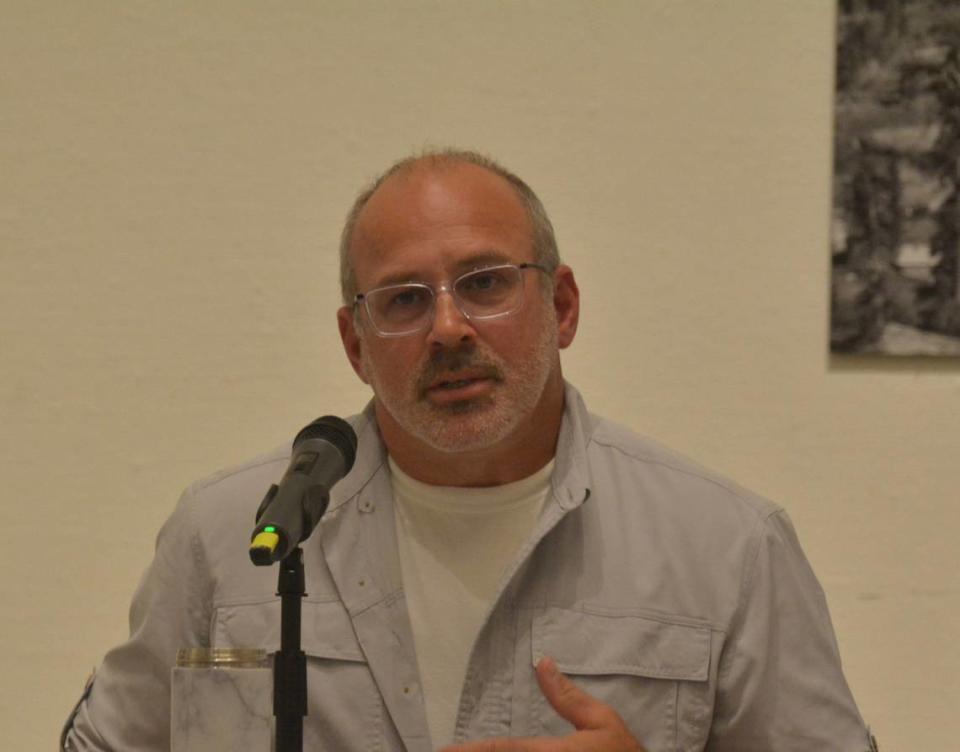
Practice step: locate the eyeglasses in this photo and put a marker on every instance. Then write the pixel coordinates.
(488, 293)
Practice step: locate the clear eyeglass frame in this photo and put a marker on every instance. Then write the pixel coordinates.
(364, 298)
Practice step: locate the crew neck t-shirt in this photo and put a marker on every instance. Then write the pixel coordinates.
(455, 544)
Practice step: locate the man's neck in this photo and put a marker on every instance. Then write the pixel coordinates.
(522, 453)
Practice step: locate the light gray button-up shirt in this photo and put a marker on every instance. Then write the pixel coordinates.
(677, 597)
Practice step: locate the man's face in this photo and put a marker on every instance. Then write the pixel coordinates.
(459, 385)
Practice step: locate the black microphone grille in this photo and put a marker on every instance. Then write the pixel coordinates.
(335, 430)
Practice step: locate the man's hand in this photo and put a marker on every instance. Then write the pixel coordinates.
(598, 726)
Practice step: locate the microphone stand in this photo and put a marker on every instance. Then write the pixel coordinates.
(322, 454)
(290, 662)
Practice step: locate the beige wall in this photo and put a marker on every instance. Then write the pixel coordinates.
(173, 180)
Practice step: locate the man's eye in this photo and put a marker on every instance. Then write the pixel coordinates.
(483, 281)
(406, 298)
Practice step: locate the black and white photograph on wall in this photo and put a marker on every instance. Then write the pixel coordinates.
(895, 228)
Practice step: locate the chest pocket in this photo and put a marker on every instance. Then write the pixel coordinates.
(345, 712)
(653, 672)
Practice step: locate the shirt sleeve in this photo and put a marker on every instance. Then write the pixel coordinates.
(781, 686)
(127, 706)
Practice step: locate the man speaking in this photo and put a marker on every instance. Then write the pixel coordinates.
(501, 570)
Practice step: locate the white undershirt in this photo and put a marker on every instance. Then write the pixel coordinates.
(455, 544)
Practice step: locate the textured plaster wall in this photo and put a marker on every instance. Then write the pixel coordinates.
(173, 181)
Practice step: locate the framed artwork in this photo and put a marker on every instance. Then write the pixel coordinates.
(895, 229)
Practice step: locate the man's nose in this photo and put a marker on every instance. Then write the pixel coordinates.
(450, 328)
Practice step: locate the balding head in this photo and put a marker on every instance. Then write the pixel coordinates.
(543, 240)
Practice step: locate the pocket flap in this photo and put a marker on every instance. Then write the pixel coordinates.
(326, 630)
(591, 643)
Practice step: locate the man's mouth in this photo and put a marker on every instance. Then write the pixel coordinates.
(458, 384)
(459, 388)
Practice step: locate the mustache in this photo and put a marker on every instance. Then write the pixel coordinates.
(449, 362)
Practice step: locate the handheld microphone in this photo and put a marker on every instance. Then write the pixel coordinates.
(323, 452)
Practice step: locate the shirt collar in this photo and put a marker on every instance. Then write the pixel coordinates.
(571, 476)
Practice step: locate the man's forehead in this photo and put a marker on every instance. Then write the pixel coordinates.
(466, 205)
(428, 195)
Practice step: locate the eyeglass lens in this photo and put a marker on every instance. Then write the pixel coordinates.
(483, 293)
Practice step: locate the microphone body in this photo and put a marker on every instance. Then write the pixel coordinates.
(323, 453)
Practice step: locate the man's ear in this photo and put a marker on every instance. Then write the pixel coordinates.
(351, 341)
(566, 303)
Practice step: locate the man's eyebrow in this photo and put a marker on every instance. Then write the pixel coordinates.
(475, 261)
(397, 278)
(482, 259)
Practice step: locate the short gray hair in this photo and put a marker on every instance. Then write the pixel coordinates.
(544, 240)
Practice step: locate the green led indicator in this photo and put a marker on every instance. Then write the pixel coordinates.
(269, 529)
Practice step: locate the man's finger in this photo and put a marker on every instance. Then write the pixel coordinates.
(571, 703)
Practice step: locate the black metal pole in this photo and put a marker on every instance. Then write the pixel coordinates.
(290, 662)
